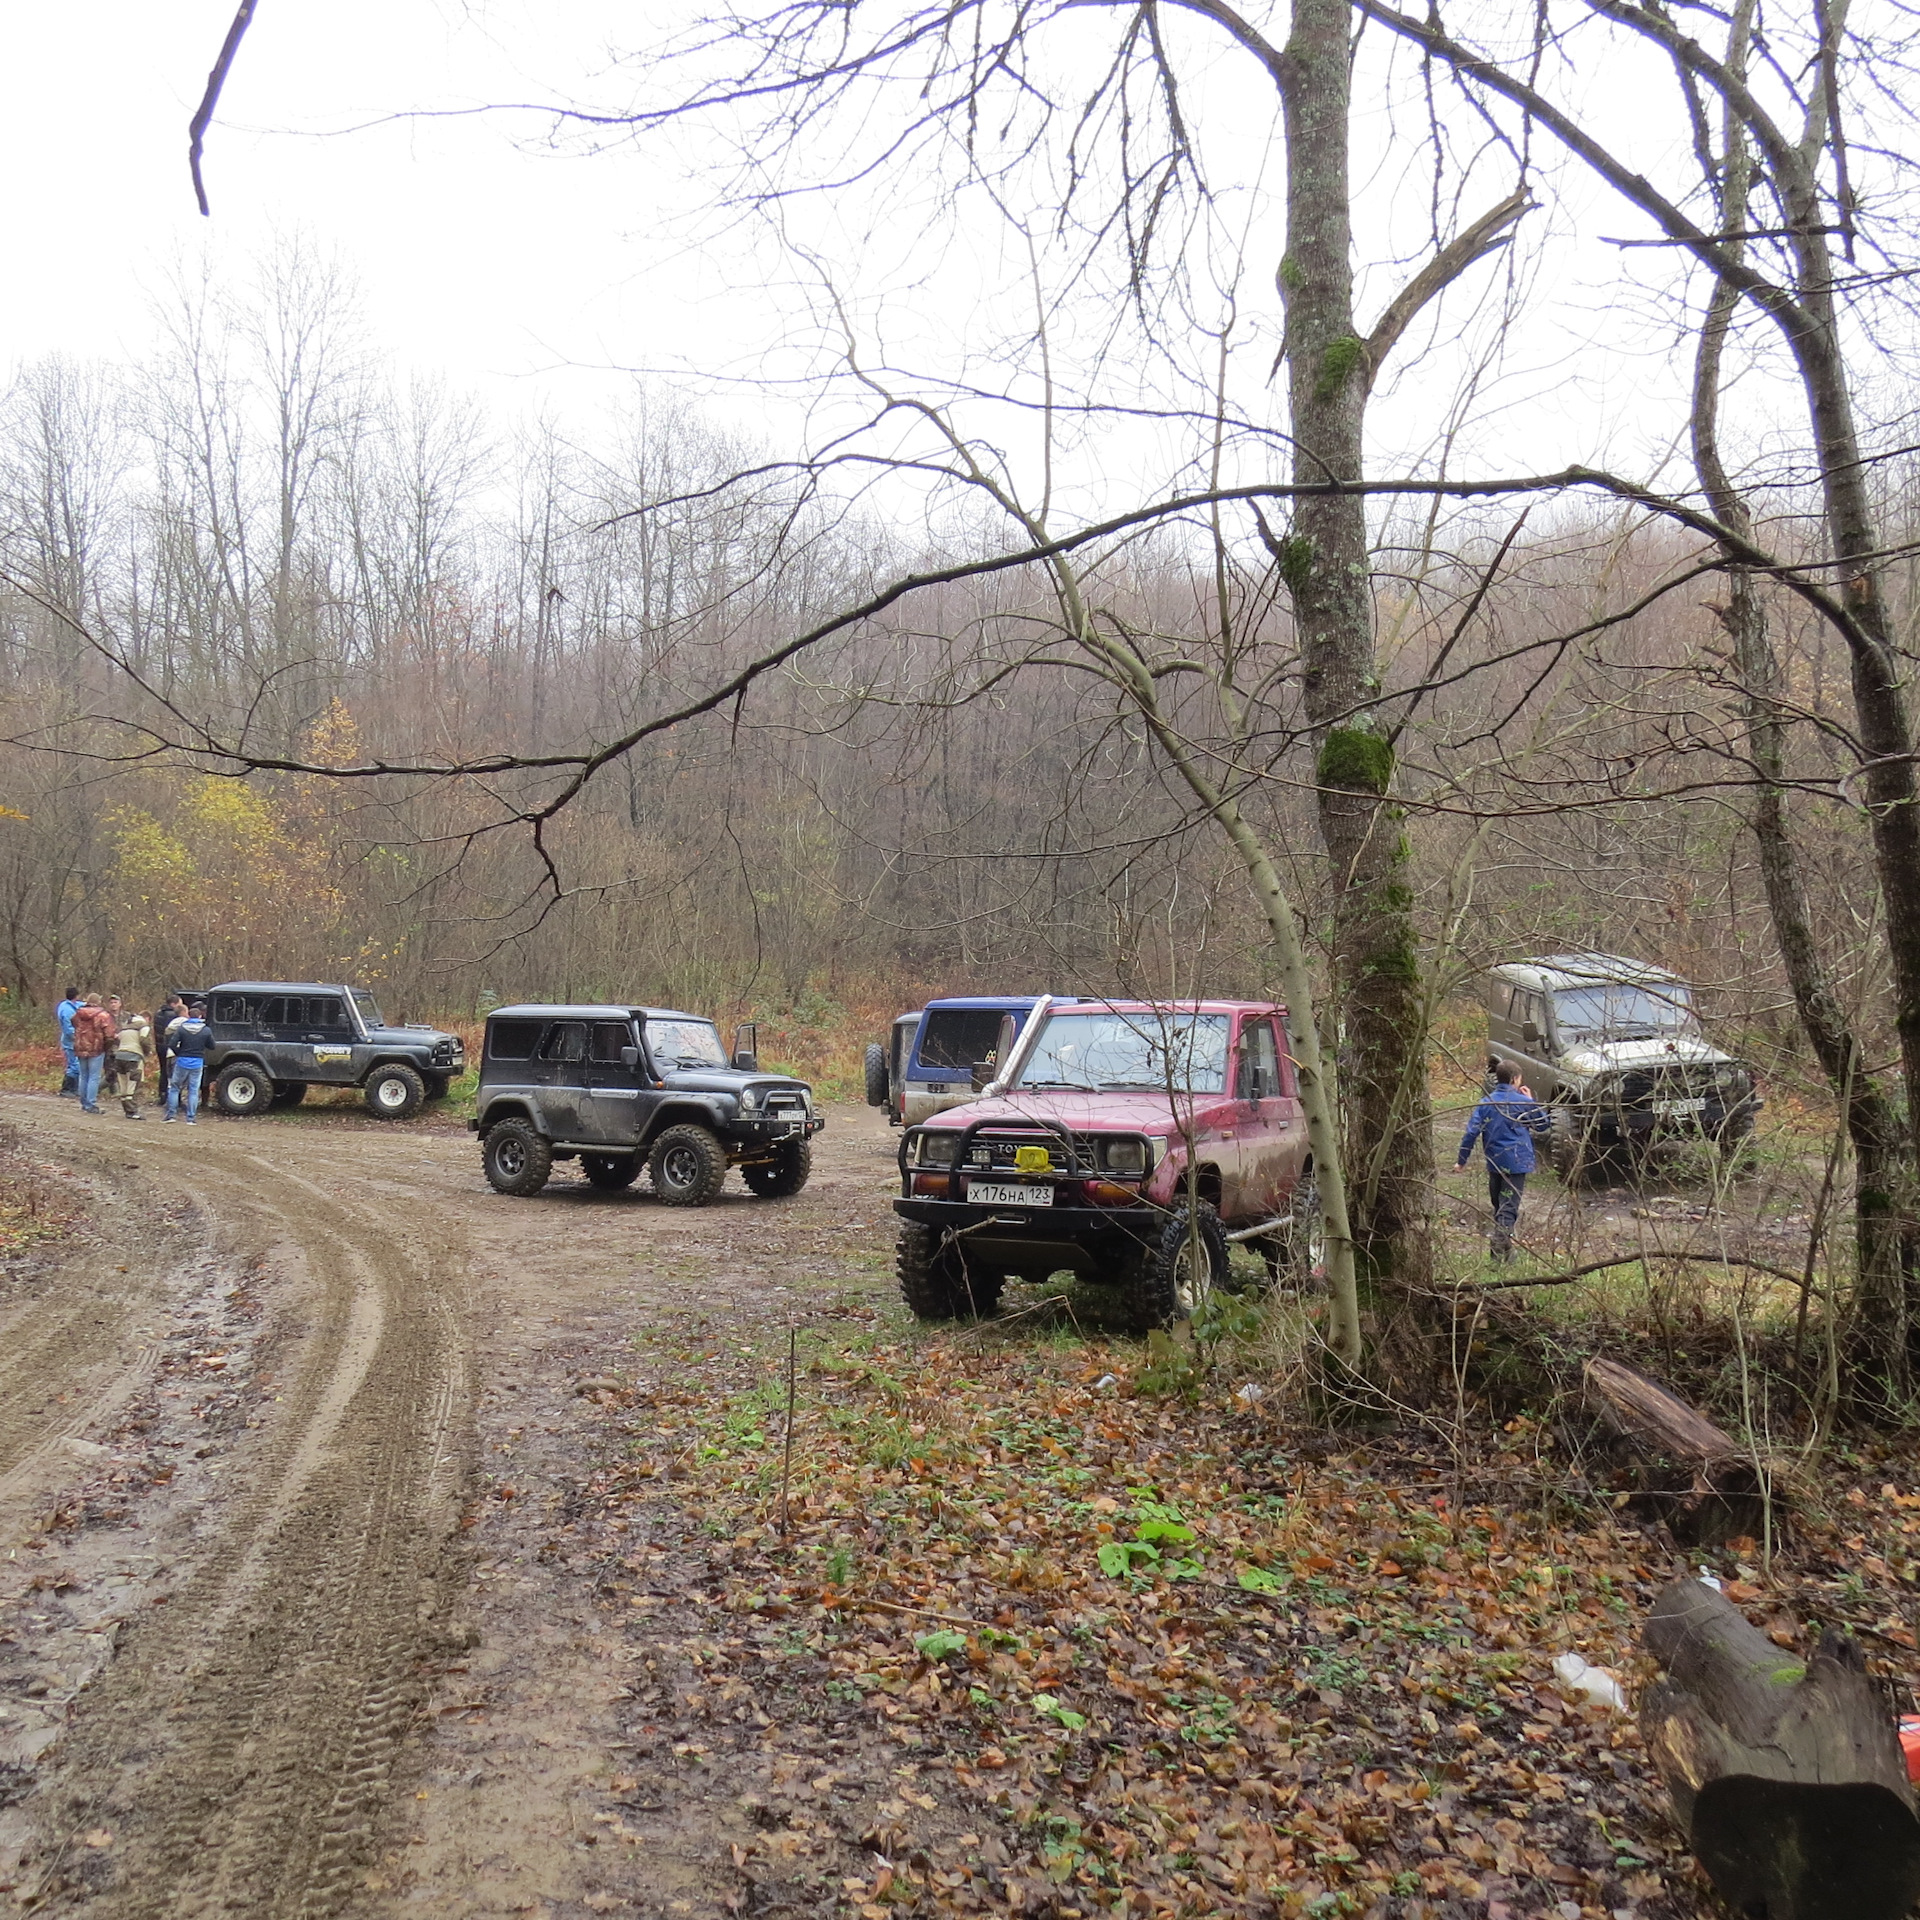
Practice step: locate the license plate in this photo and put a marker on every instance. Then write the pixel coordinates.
(1677, 1109)
(1006, 1193)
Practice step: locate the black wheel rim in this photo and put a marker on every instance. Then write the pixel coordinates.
(680, 1168)
(510, 1156)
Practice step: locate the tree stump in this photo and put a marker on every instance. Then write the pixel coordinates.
(1692, 1475)
(1788, 1779)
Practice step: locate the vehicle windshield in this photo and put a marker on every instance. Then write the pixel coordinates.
(370, 1014)
(685, 1043)
(1107, 1052)
(1615, 1011)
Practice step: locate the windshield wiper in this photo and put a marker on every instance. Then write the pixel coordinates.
(1057, 1086)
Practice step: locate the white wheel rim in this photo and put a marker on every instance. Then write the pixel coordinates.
(1192, 1275)
(391, 1093)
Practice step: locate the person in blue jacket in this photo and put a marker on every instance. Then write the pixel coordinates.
(1504, 1124)
(64, 1013)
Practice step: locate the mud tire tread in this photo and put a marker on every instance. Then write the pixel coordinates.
(936, 1282)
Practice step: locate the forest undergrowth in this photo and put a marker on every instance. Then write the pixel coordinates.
(1148, 1639)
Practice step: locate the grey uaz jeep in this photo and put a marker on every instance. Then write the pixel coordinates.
(1612, 1048)
(620, 1087)
(268, 1041)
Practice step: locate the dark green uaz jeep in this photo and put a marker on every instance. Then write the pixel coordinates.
(621, 1087)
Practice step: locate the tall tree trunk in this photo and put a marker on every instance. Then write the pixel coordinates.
(1879, 1332)
(1326, 566)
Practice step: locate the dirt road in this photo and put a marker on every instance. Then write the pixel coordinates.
(254, 1428)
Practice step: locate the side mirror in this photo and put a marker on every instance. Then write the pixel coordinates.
(1530, 1035)
(746, 1047)
(630, 1057)
(982, 1074)
(745, 1060)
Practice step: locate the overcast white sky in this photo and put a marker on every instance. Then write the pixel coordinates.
(525, 274)
(475, 257)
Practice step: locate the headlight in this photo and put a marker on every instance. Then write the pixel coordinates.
(1124, 1156)
(1734, 1081)
(748, 1100)
(936, 1149)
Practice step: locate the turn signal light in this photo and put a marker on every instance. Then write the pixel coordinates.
(1110, 1193)
(932, 1186)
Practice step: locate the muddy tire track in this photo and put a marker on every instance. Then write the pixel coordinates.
(240, 1745)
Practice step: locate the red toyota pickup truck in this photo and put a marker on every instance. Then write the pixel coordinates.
(1126, 1142)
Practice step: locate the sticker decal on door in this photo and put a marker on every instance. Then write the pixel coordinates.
(332, 1056)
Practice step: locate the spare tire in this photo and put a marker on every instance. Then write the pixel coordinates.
(877, 1088)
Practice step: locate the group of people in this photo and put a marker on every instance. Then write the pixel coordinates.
(109, 1048)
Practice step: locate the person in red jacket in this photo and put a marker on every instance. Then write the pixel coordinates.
(92, 1042)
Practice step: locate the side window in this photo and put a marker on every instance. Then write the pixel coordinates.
(512, 1039)
(230, 1008)
(566, 1043)
(1259, 1062)
(1527, 1007)
(609, 1037)
(326, 1014)
(273, 1012)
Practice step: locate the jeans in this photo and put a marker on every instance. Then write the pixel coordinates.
(90, 1070)
(70, 1082)
(185, 1079)
(1504, 1190)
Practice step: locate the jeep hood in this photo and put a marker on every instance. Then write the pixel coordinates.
(728, 1080)
(1677, 1050)
(1149, 1113)
(410, 1033)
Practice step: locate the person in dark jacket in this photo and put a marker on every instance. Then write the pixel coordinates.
(1504, 1125)
(190, 1039)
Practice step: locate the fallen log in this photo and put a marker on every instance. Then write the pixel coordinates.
(1788, 1779)
(1692, 1475)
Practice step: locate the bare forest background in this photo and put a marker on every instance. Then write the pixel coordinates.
(302, 549)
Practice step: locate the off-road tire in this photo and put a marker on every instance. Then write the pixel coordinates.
(785, 1174)
(610, 1171)
(242, 1091)
(1179, 1272)
(289, 1093)
(877, 1087)
(1570, 1145)
(1302, 1248)
(515, 1157)
(436, 1084)
(394, 1092)
(1735, 1132)
(687, 1166)
(936, 1281)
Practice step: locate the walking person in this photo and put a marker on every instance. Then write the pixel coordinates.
(132, 1049)
(1504, 1125)
(64, 1013)
(188, 1039)
(92, 1042)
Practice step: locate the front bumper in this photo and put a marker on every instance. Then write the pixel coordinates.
(1643, 1124)
(1087, 1239)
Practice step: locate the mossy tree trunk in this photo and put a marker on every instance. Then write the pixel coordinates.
(1326, 566)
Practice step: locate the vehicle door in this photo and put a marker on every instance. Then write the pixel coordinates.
(1532, 1048)
(327, 1038)
(232, 1020)
(615, 1083)
(563, 1099)
(1271, 1124)
(276, 1034)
